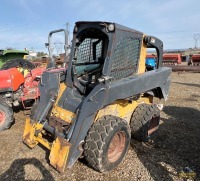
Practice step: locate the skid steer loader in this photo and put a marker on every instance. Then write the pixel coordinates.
(104, 98)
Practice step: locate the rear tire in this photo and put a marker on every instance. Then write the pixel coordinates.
(144, 122)
(25, 64)
(107, 143)
(6, 116)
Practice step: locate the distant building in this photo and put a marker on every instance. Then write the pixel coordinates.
(32, 53)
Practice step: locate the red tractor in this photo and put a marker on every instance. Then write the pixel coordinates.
(16, 89)
(19, 83)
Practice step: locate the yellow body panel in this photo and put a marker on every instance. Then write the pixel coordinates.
(142, 60)
(59, 111)
(123, 108)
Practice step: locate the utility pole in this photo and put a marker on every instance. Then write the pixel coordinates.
(58, 45)
(67, 45)
(196, 39)
(67, 29)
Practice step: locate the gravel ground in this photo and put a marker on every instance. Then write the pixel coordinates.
(174, 147)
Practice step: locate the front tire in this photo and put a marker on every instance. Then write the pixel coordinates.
(107, 143)
(6, 116)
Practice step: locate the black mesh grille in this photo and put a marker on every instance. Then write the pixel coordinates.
(125, 58)
(85, 50)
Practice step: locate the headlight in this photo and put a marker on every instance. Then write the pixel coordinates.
(111, 27)
(75, 29)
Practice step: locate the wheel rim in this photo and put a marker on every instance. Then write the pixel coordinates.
(154, 123)
(2, 118)
(116, 146)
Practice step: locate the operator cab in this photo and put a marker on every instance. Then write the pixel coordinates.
(88, 59)
(107, 52)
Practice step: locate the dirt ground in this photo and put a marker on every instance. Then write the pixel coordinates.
(175, 146)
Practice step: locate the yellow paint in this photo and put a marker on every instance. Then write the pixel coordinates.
(59, 111)
(29, 133)
(61, 90)
(143, 53)
(122, 108)
(43, 141)
(59, 148)
(63, 114)
(24, 71)
(59, 153)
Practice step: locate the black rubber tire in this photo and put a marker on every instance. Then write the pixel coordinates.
(97, 142)
(8, 113)
(25, 64)
(141, 120)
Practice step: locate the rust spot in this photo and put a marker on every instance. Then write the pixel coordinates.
(154, 123)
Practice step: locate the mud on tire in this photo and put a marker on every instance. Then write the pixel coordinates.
(107, 143)
(6, 116)
(144, 122)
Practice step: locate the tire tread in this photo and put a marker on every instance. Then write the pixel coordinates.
(93, 148)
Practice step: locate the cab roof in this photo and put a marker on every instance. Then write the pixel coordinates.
(117, 26)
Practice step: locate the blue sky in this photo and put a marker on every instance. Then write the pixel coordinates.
(26, 23)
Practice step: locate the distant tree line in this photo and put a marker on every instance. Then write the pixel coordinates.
(41, 54)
